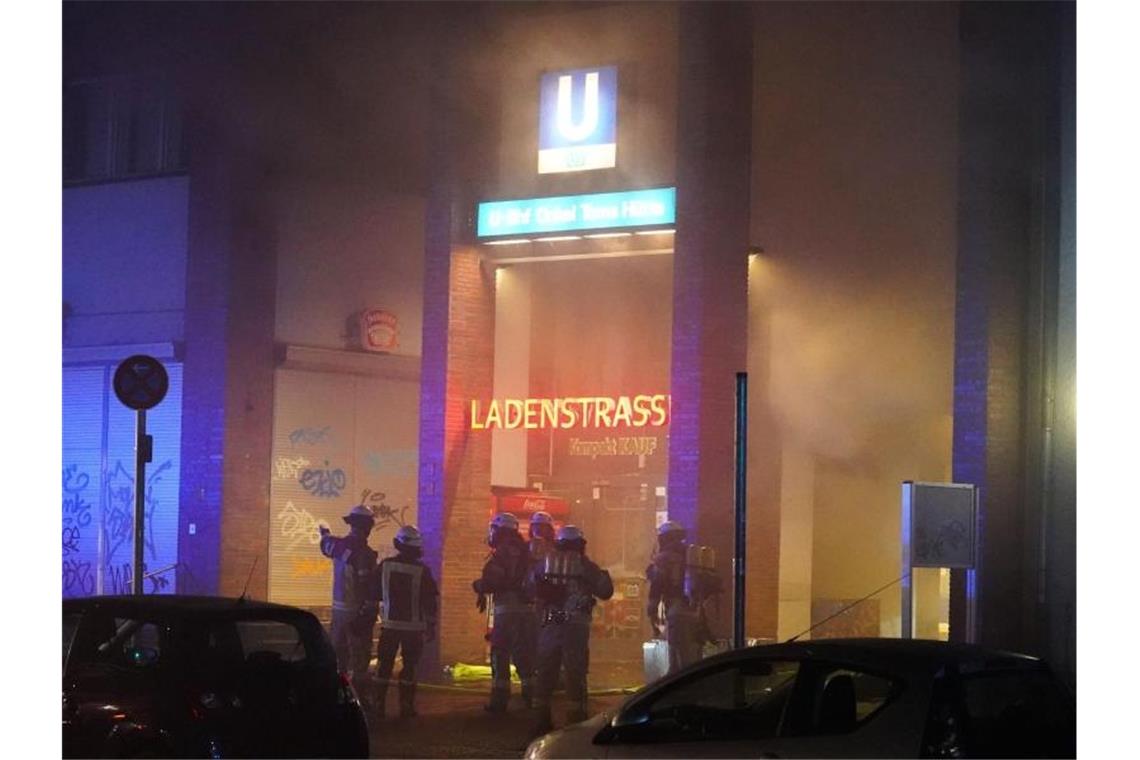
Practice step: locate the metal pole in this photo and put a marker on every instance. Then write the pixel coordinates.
(741, 505)
(906, 630)
(142, 456)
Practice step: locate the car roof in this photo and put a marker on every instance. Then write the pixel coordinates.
(893, 654)
(179, 605)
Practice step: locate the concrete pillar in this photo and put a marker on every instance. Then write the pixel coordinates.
(512, 370)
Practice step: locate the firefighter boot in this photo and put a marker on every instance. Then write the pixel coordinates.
(379, 697)
(408, 700)
(499, 699)
(528, 693)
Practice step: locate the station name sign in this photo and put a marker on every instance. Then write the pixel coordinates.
(599, 412)
(572, 213)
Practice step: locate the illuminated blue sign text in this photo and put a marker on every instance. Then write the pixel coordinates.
(599, 211)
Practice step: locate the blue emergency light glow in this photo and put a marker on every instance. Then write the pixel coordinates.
(598, 211)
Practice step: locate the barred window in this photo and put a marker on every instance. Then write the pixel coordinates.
(121, 128)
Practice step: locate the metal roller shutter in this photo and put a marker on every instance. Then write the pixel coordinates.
(338, 439)
(98, 485)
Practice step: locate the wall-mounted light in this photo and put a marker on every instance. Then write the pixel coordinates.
(515, 241)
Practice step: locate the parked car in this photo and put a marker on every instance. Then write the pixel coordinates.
(183, 676)
(837, 698)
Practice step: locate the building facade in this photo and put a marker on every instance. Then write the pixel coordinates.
(445, 259)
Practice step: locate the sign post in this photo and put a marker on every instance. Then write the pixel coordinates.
(140, 383)
(939, 529)
(741, 509)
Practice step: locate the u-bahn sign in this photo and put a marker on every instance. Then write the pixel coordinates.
(141, 382)
(577, 122)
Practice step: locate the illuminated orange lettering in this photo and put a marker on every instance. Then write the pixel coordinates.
(512, 413)
(493, 416)
(569, 416)
(475, 425)
(549, 413)
(604, 408)
(658, 403)
(641, 407)
(530, 412)
(623, 414)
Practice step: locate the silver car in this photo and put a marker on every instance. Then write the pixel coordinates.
(837, 698)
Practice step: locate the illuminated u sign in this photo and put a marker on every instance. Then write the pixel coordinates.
(577, 120)
(589, 123)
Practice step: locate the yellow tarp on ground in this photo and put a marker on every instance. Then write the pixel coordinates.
(462, 672)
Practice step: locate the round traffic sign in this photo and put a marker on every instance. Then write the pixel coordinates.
(141, 382)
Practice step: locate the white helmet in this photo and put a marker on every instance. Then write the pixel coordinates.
(409, 536)
(670, 526)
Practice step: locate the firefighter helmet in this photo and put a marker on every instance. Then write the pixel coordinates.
(570, 537)
(502, 523)
(668, 527)
(408, 537)
(360, 514)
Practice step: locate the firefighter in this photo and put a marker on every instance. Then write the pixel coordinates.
(354, 605)
(567, 586)
(681, 619)
(504, 578)
(408, 604)
(541, 536)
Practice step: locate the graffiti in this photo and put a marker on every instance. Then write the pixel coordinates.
(78, 580)
(119, 579)
(309, 436)
(325, 484)
(951, 535)
(287, 468)
(386, 515)
(400, 463)
(298, 525)
(71, 539)
(310, 568)
(76, 509)
(119, 517)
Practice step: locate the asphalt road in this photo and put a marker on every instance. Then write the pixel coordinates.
(452, 723)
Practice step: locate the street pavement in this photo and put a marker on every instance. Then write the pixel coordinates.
(452, 722)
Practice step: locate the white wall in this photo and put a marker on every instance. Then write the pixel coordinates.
(124, 261)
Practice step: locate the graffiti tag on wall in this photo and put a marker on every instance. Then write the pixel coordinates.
(326, 483)
(298, 526)
(309, 436)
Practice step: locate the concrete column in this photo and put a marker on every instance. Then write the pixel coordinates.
(512, 370)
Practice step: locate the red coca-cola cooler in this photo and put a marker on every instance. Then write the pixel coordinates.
(524, 502)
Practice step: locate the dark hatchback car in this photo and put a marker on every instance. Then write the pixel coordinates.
(182, 676)
(837, 698)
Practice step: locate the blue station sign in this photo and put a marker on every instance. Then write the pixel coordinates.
(573, 213)
(577, 120)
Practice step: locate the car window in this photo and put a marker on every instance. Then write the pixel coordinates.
(129, 643)
(1017, 713)
(271, 639)
(837, 699)
(743, 700)
(70, 626)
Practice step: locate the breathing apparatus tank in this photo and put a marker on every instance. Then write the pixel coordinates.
(701, 580)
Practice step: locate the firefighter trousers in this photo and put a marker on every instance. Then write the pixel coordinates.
(512, 639)
(563, 645)
(682, 632)
(352, 640)
(410, 645)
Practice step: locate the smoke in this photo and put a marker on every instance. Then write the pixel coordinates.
(857, 369)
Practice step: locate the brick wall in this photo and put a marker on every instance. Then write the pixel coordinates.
(710, 301)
